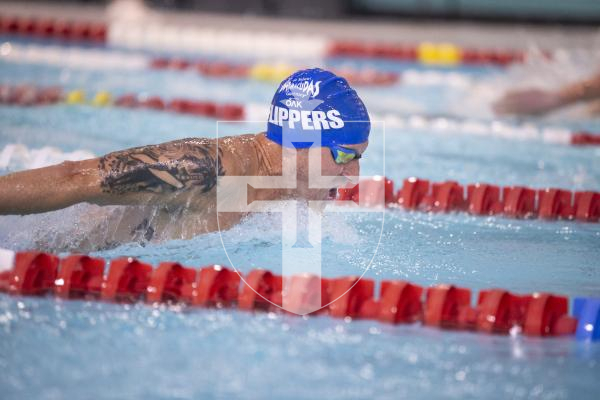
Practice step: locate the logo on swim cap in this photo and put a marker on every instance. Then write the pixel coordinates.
(300, 89)
(317, 102)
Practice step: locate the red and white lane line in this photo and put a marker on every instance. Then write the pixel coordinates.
(67, 30)
(163, 36)
(29, 95)
(269, 72)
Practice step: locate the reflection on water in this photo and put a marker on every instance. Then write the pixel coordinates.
(188, 352)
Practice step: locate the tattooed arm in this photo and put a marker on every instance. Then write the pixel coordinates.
(157, 174)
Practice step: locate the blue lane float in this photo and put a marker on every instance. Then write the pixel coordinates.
(587, 312)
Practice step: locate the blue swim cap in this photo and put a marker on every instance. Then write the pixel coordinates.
(317, 106)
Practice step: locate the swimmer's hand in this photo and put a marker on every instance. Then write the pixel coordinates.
(527, 102)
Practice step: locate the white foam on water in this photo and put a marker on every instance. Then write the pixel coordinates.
(16, 157)
(7, 258)
(74, 57)
(500, 129)
(435, 78)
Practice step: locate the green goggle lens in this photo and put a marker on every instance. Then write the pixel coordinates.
(342, 155)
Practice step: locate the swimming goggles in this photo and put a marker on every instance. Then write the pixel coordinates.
(343, 155)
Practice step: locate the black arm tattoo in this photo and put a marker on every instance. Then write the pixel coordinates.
(163, 168)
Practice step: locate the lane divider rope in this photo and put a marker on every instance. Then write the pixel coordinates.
(476, 199)
(499, 129)
(52, 28)
(426, 53)
(497, 311)
(94, 58)
(157, 36)
(29, 95)
(269, 72)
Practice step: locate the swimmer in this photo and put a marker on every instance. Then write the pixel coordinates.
(532, 101)
(178, 179)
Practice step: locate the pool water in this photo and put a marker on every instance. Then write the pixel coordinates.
(55, 349)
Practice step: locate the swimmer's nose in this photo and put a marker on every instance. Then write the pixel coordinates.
(352, 171)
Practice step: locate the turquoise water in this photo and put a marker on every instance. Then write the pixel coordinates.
(52, 349)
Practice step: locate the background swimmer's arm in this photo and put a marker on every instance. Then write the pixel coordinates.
(537, 101)
(585, 90)
(145, 175)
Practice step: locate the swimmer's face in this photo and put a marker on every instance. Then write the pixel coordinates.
(351, 169)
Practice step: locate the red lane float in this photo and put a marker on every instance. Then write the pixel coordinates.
(84, 31)
(587, 206)
(356, 49)
(34, 273)
(445, 197)
(585, 139)
(45, 28)
(193, 107)
(555, 203)
(348, 193)
(400, 302)
(519, 202)
(481, 199)
(4, 280)
(9, 24)
(167, 282)
(499, 310)
(222, 70)
(230, 112)
(351, 297)
(305, 293)
(219, 69)
(261, 291)
(445, 306)
(128, 100)
(413, 192)
(79, 275)
(484, 199)
(153, 103)
(376, 192)
(214, 286)
(546, 315)
(28, 95)
(127, 280)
